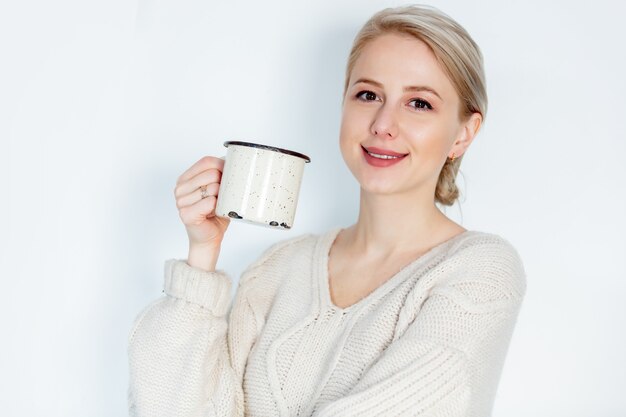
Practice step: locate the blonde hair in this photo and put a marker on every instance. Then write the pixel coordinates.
(457, 54)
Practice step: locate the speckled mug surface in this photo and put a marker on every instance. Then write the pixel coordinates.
(260, 184)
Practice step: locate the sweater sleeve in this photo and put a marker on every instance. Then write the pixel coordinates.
(187, 350)
(448, 360)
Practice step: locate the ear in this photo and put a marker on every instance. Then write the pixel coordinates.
(469, 129)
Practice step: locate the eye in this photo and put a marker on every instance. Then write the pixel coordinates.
(369, 96)
(421, 104)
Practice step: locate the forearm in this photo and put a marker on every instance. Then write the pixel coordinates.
(178, 358)
(178, 363)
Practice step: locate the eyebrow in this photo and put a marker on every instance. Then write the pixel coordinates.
(408, 88)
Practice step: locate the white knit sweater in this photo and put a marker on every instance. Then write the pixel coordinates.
(430, 341)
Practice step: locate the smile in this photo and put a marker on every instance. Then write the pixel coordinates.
(379, 160)
(382, 156)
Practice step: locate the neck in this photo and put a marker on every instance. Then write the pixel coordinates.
(396, 224)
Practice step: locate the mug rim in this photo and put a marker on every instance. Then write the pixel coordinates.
(268, 147)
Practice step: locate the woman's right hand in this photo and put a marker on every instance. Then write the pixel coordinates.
(204, 228)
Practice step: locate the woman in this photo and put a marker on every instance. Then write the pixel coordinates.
(403, 313)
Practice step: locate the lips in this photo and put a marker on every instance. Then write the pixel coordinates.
(381, 151)
(380, 162)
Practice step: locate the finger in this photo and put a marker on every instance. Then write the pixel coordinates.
(205, 163)
(198, 212)
(192, 198)
(203, 178)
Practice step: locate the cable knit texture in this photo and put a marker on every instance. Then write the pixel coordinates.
(430, 341)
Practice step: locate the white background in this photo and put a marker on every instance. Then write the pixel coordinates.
(103, 104)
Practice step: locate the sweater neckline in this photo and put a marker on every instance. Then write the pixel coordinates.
(323, 247)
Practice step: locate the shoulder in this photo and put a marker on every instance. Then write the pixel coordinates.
(486, 267)
(279, 255)
(284, 247)
(479, 246)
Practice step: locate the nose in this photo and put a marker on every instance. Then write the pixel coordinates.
(385, 125)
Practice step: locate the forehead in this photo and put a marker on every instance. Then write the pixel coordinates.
(398, 60)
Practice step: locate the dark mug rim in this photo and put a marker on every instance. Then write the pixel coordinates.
(268, 147)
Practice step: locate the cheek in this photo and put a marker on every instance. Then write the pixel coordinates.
(431, 139)
(348, 126)
(346, 141)
(354, 124)
(352, 132)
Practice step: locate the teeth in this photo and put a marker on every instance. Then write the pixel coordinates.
(375, 155)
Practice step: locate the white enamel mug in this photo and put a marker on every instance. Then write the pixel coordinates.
(260, 184)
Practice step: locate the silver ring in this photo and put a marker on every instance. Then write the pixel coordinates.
(203, 193)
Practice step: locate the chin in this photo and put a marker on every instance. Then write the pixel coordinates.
(378, 186)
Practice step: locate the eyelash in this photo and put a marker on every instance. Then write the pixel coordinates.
(427, 104)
